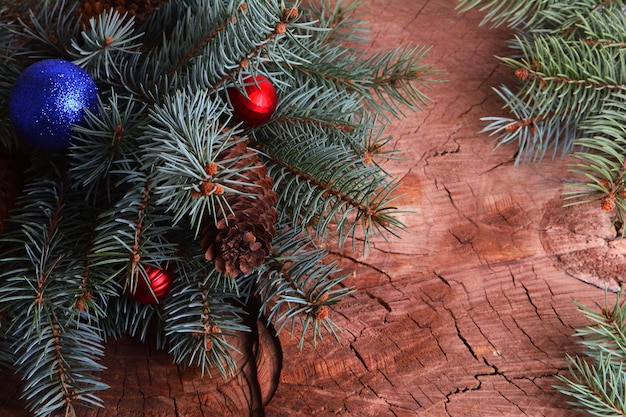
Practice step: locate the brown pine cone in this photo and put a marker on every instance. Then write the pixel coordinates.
(242, 240)
(10, 183)
(140, 9)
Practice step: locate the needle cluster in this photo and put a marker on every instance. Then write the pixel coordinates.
(164, 156)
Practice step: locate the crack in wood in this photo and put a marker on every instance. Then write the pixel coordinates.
(436, 339)
(530, 300)
(389, 405)
(477, 387)
(379, 301)
(143, 396)
(434, 153)
(123, 391)
(372, 267)
(497, 311)
(454, 150)
(442, 278)
(458, 210)
(530, 339)
(463, 241)
(419, 405)
(558, 316)
(510, 381)
(472, 106)
(200, 403)
(342, 255)
(359, 357)
(494, 69)
(448, 396)
(169, 393)
(493, 349)
(417, 14)
(418, 324)
(513, 381)
(498, 165)
(512, 275)
(460, 335)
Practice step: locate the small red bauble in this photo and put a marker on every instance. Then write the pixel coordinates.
(161, 282)
(258, 104)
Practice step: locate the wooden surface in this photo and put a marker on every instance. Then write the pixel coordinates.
(469, 314)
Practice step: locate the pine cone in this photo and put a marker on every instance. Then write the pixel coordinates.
(10, 183)
(140, 9)
(242, 240)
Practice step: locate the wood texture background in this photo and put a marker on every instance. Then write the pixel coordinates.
(467, 315)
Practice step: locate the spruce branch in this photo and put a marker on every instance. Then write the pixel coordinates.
(107, 144)
(602, 159)
(397, 79)
(56, 340)
(183, 143)
(125, 316)
(597, 389)
(338, 21)
(71, 352)
(569, 78)
(106, 42)
(562, 17)
(344, 194)
(8, 50)
(202, 322)
(387, 81)
(509, 12)
(50, 24)
(241, 32)
(597, 379)
(567, 20)
(571, 64)
(298, 286)
(162, 161)
(337, 118)
(132, 235)
(605, 26)
(606, 334)
(534, 135)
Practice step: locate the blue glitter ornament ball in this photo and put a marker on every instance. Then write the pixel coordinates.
(48, 98)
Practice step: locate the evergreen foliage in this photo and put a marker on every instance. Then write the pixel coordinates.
(597, 379)
(570, 60)
(128, 194)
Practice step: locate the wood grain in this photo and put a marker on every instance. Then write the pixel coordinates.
(466, 315)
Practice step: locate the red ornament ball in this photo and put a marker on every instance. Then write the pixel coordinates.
(161, 282)
(257, 105)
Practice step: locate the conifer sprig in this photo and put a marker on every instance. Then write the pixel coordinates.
(107, 145)
(55, 304)
(182, 144)
(571, 63)
(298, 286)
(345, 196)
(596, 382)
(164, 156)
(602, 159)
(202, 322)
(508, 12)
(105, 43)
(49, 31)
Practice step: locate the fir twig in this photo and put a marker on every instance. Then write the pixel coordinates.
(297, 286)
(597, 379)
(571, 65)
(163, 156)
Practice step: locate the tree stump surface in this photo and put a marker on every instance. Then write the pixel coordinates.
(470, 313)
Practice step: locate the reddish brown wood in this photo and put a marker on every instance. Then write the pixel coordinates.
(469, 314)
